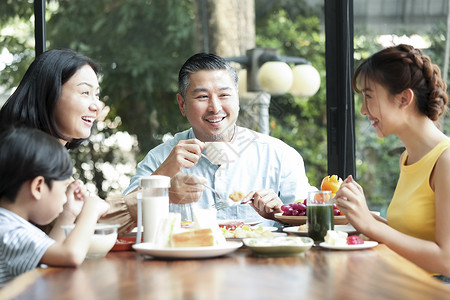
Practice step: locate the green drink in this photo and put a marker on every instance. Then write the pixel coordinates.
(320, 220)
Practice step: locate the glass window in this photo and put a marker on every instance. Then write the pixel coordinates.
(377, 24)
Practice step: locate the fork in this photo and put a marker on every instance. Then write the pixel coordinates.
(220, 203)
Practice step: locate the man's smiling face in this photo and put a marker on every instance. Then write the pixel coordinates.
(211, 105)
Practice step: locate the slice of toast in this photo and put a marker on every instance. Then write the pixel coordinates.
(193, 238)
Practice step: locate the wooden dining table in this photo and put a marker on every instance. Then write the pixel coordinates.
(375, 273)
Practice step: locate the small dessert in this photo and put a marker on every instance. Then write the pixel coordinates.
(236, 196)
(354, 240)
(204, 233)
(303, 227)
(336, 238)
(193, 238)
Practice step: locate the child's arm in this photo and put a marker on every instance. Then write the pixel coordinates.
(76, 196)
(72, 251)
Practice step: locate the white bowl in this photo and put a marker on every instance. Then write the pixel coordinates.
(279, 246)
(102, 241)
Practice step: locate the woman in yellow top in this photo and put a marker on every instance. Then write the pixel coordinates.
(405, 95)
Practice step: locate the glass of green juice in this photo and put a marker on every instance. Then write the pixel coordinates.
(320, 214)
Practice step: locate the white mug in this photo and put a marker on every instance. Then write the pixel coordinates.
(220, 153)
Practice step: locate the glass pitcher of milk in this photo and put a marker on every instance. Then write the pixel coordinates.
(152, 205)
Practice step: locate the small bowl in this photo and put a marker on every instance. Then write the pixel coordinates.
(104, 238)
(279, 246)
(124, 244)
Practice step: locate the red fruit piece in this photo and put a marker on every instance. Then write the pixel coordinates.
(354, 240)
(232, 225)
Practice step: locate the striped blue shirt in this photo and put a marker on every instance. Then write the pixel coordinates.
(22, 245)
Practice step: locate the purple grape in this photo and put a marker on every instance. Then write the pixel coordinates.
(301, 207)
(284, 207)
(288, 212)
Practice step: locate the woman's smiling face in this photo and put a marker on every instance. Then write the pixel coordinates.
(78, 105)
(380, 107)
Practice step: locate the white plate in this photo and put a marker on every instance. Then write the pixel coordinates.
(246, 222)
(267, 228)
(367, 244)
(187, 252)
(346, 228)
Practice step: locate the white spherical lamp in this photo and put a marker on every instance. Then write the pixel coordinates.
(275, 77)
(306, 81)
(242, 82)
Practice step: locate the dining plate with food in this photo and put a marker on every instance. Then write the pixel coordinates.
(365, 245)
(340, 240)
(250, 222)
(203, 239)
(187, 252)
(302, 230)
(238, 230)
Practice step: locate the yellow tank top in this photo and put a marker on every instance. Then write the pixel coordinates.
(412, 209)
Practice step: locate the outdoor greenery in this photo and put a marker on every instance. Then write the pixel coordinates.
(300, 122)
(140, 46)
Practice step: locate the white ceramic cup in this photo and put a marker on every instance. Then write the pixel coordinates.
(220, 153)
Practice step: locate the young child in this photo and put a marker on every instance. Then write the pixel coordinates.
(36, 186)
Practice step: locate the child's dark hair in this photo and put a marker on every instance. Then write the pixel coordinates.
(26, 153)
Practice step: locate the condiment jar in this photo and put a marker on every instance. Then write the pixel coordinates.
(152, 205)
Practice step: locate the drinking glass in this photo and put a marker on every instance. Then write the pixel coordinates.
(187, 215)
(320, 214)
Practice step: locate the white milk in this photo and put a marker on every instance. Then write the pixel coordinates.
(154, 209)
(101, 244)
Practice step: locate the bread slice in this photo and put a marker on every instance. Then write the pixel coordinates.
(236, 196)
(167, 227)
(193, 238)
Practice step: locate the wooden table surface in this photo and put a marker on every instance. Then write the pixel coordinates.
(376, 273)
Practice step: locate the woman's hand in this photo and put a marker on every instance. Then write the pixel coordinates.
(351, 202)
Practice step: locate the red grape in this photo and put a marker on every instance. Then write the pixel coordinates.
(284, 207)
(294, 209)
(301, 206)
(288, 212)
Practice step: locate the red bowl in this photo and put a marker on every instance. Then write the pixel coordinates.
(124, 244)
